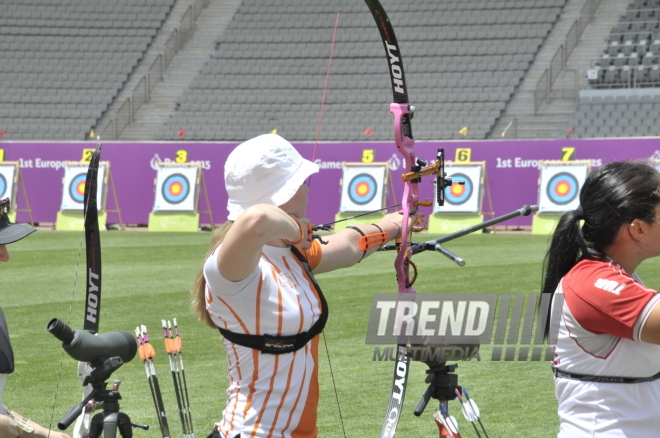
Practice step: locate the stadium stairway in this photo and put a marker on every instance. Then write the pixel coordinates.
(553, 118)
(182, 69)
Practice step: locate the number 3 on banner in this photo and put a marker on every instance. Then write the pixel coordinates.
(181, 156)
(463, 155)
(87, 155)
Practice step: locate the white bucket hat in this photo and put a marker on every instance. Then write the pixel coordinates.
(264, 170)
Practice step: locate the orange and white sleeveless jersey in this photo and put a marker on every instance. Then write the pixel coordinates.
(268, 395)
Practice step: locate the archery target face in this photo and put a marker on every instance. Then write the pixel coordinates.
(462, 198)
(176, 188)
(560, 187)
(73, 190)
(7, 175)
(362, 188)
(77, 188)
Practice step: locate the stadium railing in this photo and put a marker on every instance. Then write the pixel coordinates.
(558, 63)
(142, 92)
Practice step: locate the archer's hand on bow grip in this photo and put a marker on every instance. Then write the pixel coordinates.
(420, 224)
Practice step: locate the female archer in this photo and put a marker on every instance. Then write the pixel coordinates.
(607, 355)
(257, 287)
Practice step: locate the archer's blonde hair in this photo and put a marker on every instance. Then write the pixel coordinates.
(198, 292)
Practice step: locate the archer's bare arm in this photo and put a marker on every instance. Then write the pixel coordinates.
(343, 248)
(239, 254)
(10, 428)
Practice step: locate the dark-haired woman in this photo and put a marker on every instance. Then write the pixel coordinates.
(607, 357)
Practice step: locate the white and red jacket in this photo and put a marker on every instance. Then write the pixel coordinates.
(604, 310)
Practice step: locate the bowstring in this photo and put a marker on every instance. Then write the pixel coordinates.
(309, 183)
(325, 85)
(334, 386)
(68, 322)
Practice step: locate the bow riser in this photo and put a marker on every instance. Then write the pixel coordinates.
(410, 198)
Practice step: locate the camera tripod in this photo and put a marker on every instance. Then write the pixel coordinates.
(443, 386)
(108, 422)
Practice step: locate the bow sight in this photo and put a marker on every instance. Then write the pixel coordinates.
(438, 169)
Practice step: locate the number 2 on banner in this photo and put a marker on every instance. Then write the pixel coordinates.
(181, 156)
(463, 155)
(87, 155)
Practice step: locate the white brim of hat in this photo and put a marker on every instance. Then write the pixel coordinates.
(280, 195)
(14, 233)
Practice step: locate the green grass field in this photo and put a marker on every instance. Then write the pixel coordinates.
(147, 277)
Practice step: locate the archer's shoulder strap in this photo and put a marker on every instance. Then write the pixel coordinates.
(274, 344)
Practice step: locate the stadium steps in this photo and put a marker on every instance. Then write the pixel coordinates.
(183, 69)
(552, 119)
(184, 66)
(157, 47)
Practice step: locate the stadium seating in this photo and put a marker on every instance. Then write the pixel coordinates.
(463, 60)
(631, 57)
(617, 113)
(62, 63)
(624, 95)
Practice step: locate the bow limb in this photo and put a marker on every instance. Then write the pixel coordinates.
(93, 284)
(403, 138)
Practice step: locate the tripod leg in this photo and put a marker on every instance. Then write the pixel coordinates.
(96, 426)
(125, 426)
(110, 425)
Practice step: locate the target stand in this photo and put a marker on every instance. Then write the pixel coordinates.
(364, 188)
(10, 180)
(176, 204)
(559, 191)
(463, 202)
(71, 215)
